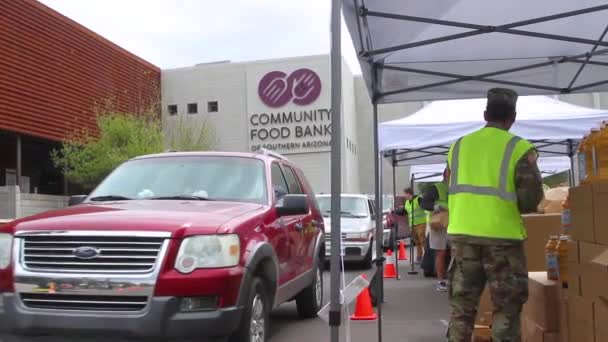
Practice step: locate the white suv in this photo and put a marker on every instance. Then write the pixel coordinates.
(358, 227)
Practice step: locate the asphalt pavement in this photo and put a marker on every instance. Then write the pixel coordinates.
(413, 312)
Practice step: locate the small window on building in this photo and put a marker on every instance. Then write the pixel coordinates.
(172, 109)
(192, 108)
(212, 106)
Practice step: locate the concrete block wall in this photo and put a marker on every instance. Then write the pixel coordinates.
(14, 204)
(32, 204)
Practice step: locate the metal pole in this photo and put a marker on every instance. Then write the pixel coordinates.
(379, 228)
(335, 310)
(395, 225)
(19, 162)
(412, 271)
(571, 155)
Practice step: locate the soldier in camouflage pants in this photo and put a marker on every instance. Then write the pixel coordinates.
(503, 266)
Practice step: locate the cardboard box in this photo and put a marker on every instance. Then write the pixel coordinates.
(531, 332)
(574, 279)
(598, 275)
(564, 325)
(485, 308)
(600, 214)
(482, 333)
(601, 320)
(589, 251)
(539, 227)
(582, 213)
(573, 252)
(542, 307)
(581, 319)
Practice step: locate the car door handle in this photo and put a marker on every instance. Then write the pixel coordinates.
(299, 226)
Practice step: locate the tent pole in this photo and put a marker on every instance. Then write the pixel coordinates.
(411, 217)
(379, 228)
(571, 156)
(335, 310)
(395, 227)
(391, 237)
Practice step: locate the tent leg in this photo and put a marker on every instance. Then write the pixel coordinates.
(379, 230)
(395, 227)
(571, 156)
(335, 311)
(412, 270)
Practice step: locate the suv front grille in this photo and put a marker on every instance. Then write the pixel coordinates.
(84, 303)
(113, 253)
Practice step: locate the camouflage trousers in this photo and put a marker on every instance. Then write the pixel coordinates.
(504, 268)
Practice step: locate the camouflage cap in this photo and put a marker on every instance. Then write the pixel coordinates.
(502, 96)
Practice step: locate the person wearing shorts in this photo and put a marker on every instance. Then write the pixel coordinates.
(435, 199)
(416, 217)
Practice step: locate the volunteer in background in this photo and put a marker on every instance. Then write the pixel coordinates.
(435, 199)
(493, 179)
(416, 217)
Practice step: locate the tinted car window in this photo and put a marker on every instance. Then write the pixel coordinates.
(278, 181)
(292, 182)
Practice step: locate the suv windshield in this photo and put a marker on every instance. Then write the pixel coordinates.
(186, 177)
(351, 206)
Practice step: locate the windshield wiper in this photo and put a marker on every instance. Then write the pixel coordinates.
(181, 197)
(110, 198)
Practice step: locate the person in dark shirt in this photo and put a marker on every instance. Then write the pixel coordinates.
(434, 198)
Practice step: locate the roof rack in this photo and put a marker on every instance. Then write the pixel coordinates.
(272, 154)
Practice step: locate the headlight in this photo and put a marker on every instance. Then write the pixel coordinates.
(356, 236)
(208, 251)
(6, 242)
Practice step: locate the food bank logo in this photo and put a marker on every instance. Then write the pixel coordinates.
(302, 87)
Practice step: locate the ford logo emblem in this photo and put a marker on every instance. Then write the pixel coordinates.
(86, 252)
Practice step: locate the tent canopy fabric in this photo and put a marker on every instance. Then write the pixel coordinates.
(457, 49)
(425, 136)
(433, 172)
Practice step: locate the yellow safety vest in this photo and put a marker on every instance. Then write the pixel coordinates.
(482, 193)
(442, 201)
(415, 213)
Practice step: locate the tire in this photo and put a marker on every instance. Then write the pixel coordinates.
(256, 312)
(368, 262)
(310, 299)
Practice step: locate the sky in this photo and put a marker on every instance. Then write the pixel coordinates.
(181, 33)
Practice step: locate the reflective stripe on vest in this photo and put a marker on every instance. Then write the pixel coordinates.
(501, 192)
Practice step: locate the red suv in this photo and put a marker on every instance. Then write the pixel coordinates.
(174, 245)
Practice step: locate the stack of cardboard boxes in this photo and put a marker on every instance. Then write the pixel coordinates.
(541, 314)
(543, 299)
(587, 295)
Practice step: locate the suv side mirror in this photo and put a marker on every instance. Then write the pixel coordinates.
(76, 199)
(279, 191)
(291, 205)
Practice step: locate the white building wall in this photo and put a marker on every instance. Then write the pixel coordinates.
(386, 112)
(234, 87)
(350, 164)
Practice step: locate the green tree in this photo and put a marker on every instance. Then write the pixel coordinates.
(189, 135)
(86, 158)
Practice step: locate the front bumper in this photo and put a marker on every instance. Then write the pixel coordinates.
(353, 250)
(162, 318)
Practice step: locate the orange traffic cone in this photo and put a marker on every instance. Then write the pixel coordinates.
(389, 268)
(402, 251)
(363, 309)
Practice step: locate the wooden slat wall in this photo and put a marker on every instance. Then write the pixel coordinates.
(54, 72)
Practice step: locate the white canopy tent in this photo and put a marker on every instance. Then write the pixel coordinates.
(424, 137)
(441, 50)
(433, 172)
